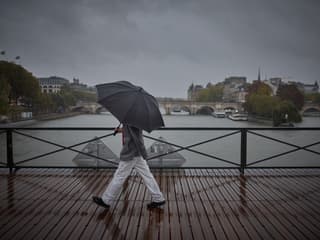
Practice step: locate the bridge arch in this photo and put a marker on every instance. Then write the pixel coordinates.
(311, 111)
(205, 110)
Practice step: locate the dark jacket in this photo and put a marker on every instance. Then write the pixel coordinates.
(133, 145)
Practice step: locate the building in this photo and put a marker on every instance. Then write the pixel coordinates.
(274, 84)
(234, 89)
(306, 88)
(193, 91)
(52, 84)
(240, 95)
(311, 88)
(77, 85)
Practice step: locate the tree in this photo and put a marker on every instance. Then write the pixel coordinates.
(259, 94)
(285, 112)
(261, 105)
(259, 88)
(312, 97)
(292, 94)
(259, 102)
(23, 86)
(4, 95)
(212, 93)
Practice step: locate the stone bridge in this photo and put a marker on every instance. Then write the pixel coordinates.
(167, 107)
(310, 109)
(193, 107)
(88, 107)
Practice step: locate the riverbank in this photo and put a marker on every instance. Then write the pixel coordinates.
(267, 121)
(257, 119)
(42, 117)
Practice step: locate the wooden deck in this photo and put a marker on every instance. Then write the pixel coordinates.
(201, 204)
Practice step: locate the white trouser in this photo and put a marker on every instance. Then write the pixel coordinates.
(121, 174)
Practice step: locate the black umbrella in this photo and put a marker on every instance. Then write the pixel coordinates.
(130, 104)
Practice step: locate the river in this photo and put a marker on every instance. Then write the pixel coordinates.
(227, 148)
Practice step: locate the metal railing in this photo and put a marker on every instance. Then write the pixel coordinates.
(241, 165)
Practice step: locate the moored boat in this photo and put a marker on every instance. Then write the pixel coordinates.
(179, 112)
(157, 150)
(159, 153)
(99, 149)
(219, 114)
(238, 117)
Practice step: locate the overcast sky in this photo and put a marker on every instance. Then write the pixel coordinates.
(163, 45)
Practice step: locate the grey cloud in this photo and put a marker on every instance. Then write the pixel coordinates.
(167, 41)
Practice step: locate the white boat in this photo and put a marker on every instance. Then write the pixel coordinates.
(100, 149)
(219, 114)
(238, 117)
(179, 112)
(157, 149)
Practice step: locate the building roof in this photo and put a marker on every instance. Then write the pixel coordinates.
(54, 80)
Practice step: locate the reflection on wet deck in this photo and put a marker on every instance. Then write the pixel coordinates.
(201, 204)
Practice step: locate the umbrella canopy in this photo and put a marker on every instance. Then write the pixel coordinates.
(130, 104)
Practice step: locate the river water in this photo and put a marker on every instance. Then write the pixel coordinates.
(227, 148)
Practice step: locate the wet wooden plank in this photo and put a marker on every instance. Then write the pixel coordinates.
(142, 218)
(24, 184)
(61, 208)
(201, 203)
(23, 208)
(233, 229)
(277, 222)
(89, 209)
(164, 216)
(129, 213)
(245, 207)
(174, 215)
(212, 216)
(105, 221)
(199, 209)
(182, 206)
(291, 208)
(135, 205)
(73, 214)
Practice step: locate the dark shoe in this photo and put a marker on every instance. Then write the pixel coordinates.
(155, 204)
(100, 202)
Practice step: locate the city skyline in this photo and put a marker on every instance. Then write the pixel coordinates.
(164, 46)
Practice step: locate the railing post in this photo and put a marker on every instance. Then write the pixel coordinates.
(10, 150)
(243, 150)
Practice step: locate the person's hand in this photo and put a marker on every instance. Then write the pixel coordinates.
(117, 130)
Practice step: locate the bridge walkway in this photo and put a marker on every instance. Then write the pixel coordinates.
(201, 204)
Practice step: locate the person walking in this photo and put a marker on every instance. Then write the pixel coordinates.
(132, 155)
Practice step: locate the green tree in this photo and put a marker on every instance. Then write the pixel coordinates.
(43, 104)
(259, 88)
(212, 93)
(4, 95)
(23, 86)
(68, 95)
(259, 102)
(255, 90)
(292, 94)
(312, 97)
(285, 111)
(261, 105)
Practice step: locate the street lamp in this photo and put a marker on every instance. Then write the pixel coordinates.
(3, 52)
